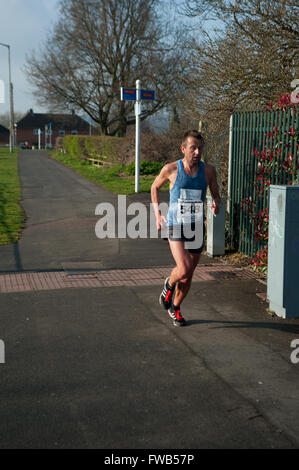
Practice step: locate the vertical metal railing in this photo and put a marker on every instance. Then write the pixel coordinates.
(250, 130)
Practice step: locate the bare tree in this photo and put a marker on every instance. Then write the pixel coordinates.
(243, 65)
(252, 61)
(5, 118)
(97, 47)
(281, 17)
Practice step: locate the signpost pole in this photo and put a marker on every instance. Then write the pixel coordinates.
(11, 125)
(46, 136)
(137, 149)
(50, 138)
(137, 95)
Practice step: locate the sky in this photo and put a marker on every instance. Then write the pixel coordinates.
(24, 24)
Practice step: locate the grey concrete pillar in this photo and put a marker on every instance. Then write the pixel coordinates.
(215, 229)
(283, 251)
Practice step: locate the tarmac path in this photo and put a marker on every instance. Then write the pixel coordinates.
(95, 365)
(60, 227)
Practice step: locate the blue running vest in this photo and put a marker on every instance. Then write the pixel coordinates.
(183, 181)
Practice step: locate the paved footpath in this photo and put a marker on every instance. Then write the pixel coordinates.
(91, 359)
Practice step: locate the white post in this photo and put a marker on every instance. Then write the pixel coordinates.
(39, 133)
(46, 133)
(11, 125)
(137, 144)
(50, 138)
(11, 140)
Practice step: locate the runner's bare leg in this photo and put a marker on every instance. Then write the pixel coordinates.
(186, 263)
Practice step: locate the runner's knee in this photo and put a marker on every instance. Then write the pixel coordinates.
(185, 273)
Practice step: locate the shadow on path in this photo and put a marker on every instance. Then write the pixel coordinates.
(288, 328)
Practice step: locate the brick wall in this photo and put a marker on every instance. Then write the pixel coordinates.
(4, 139)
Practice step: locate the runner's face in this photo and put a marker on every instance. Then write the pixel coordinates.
(192, 150)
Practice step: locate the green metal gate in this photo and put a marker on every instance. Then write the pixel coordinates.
(249, 131)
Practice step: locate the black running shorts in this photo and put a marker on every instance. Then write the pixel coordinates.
(176, 233)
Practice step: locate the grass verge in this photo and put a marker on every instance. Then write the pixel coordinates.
(11, 213)
(113, 179)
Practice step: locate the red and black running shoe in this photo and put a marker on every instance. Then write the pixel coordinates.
(166, 295)
(176, 316)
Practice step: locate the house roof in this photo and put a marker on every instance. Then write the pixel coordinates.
(59, 121)
(4, 130)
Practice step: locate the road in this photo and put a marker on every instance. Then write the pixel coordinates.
(91, 367)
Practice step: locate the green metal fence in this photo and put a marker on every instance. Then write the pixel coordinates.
(249, 131)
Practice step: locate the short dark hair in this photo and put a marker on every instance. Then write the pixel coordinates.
(193, 133)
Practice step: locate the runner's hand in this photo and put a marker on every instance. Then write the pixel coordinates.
(160, 221)
(215, 207)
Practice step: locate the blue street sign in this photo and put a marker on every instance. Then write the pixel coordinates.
(148, 95)
(128, 94)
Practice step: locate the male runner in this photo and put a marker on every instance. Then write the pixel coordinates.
(188, 177)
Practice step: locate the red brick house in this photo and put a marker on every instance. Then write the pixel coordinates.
(4, 135)
(51, 126)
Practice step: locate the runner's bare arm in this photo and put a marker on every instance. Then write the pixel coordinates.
(214, 189)
(160, 180)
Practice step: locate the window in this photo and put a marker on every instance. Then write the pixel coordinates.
(61, 133)
(74, 132)
(35, 131)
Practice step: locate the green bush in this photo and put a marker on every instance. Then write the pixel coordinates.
(130, 169)
(82, 147)
(113, 171)
(74, 145)
(155, 148)
(103, 146)
(146, 168)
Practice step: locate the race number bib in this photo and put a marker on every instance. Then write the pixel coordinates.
(190, 206)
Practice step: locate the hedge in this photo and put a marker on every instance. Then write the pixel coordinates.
(82, 147)
(146, 168)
